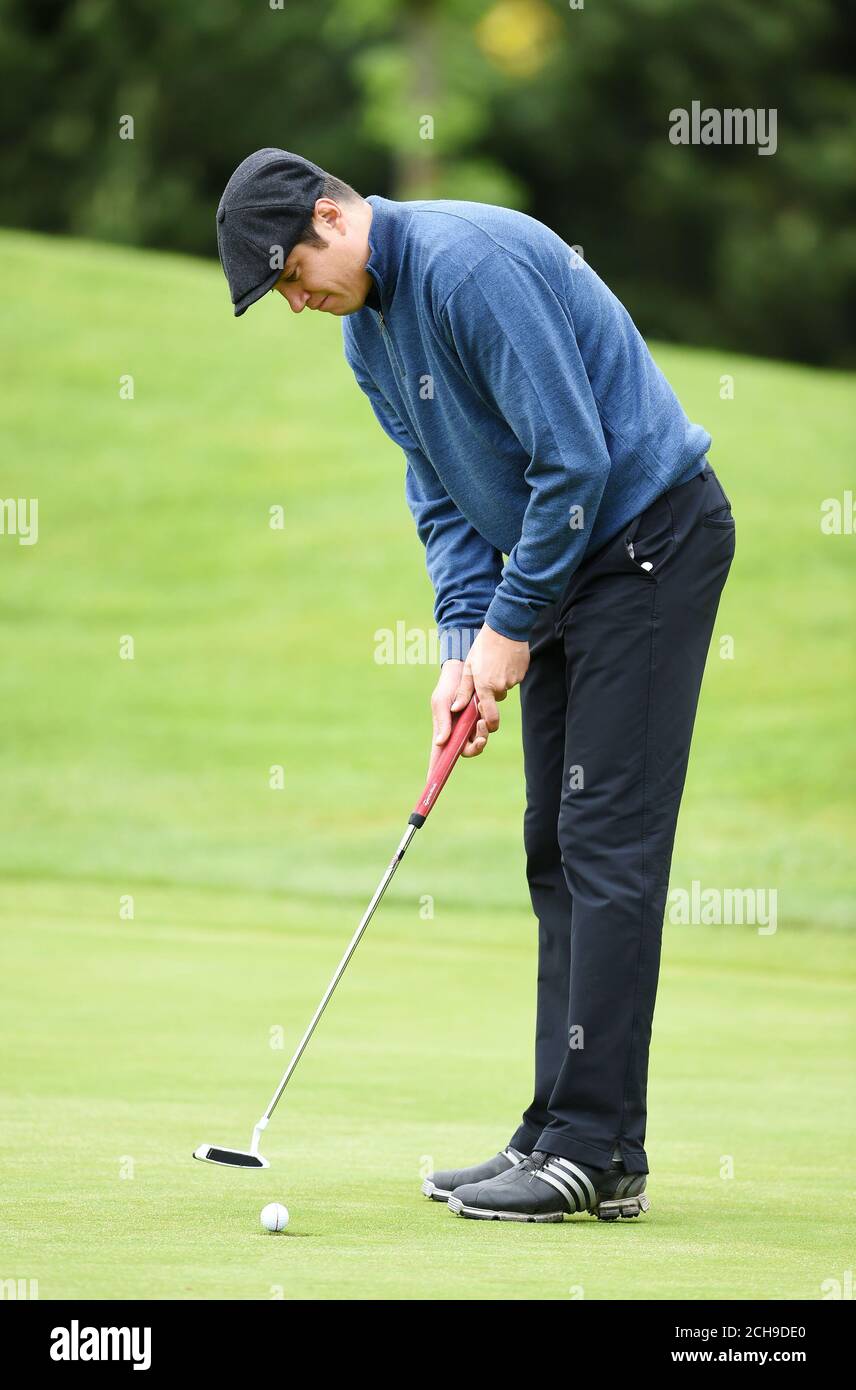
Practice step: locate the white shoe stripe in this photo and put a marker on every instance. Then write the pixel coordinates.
(578, 1173)
(560, 1187)
(512, 1155)
(577, 1194)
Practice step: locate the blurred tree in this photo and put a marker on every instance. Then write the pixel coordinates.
(426, 94)
(715, 243)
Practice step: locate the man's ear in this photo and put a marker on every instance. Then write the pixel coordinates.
(329, 217)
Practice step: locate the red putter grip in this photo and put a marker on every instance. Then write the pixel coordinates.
(463, 725)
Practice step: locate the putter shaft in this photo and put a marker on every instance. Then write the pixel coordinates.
(340, 970)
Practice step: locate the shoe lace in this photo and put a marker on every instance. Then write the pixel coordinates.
(534, 1161)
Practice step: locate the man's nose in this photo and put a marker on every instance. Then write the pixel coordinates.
(295, 298)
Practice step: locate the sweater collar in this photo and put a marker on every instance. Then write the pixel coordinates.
(386, 240)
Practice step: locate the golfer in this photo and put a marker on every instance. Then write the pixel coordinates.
(577, 541)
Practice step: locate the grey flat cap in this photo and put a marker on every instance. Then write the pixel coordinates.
(264, 210)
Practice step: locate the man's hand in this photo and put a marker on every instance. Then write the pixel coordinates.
(495, 664)
(445, 691)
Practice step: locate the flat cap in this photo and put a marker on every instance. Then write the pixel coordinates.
(265, 209)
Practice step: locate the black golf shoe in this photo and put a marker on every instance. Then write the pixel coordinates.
(546, 1187)
(620, 1193)
(440, 1186)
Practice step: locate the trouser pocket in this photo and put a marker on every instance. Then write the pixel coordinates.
(717, 508)
(650, 537)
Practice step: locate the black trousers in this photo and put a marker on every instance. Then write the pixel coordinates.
(608, 706)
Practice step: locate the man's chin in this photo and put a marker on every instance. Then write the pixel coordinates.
(339, 307)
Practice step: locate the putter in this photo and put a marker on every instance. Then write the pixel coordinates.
(463, 725)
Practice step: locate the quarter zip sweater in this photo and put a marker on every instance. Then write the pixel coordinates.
(533, 419)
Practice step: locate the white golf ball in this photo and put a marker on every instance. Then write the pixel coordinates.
(274, 1216)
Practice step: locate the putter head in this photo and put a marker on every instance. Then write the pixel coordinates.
(230, 1158)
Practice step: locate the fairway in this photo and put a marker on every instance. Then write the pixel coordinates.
(241, 782)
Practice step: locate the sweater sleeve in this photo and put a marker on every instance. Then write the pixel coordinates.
(463, 567)
(515, 339)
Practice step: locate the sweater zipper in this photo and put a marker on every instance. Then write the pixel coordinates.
(390, 347)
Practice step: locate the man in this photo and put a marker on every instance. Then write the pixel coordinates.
(535, 426)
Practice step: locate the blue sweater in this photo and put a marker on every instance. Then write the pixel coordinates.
(534, 421)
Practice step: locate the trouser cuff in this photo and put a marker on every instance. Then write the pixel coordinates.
(589, 1154)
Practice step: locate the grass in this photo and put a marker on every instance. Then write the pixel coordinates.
(130, 1041)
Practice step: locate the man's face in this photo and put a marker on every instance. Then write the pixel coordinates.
(332, 278)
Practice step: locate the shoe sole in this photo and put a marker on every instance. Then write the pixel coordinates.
(437, 1194)
(615, 1207)
(457, 1207)
(610, 1210)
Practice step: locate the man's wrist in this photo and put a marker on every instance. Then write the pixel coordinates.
(508, 618)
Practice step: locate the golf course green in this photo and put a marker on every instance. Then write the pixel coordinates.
(205, 770)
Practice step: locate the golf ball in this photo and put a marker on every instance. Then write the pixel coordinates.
(274, 1216)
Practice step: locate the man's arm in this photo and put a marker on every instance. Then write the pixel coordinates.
(463, 567)
(516, 342)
